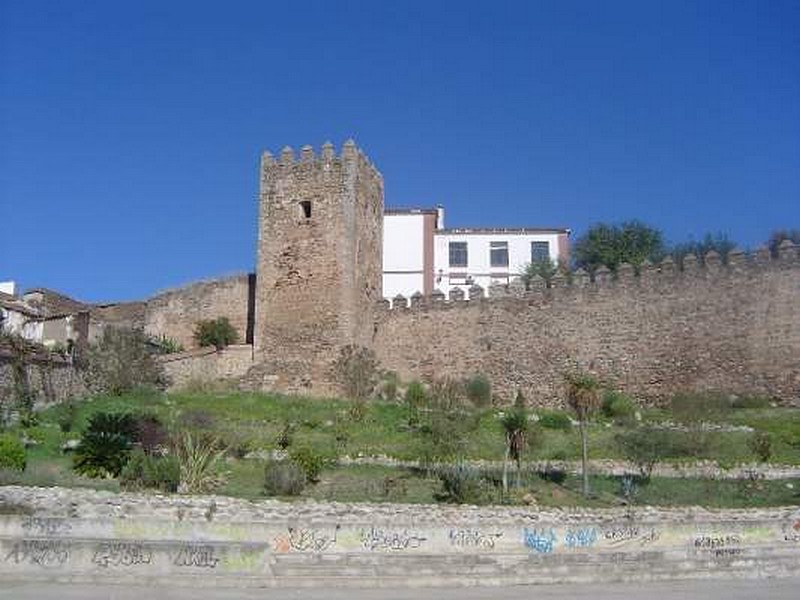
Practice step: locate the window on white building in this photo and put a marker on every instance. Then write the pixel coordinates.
(498, 254)
(540, 251)
(458, 254)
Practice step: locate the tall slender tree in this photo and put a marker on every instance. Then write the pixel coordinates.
(583, 397)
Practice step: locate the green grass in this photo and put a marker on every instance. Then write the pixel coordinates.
(254, 421)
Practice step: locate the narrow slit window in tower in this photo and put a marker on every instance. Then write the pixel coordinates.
(305, 209)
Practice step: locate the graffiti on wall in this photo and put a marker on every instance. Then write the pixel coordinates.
(196, 555)
(298, 539)
(46, 526)
(121, 554)
(42, 553)
(630, 534)
(375, 538)
(540, 540)
(583, 537)
(473, 538)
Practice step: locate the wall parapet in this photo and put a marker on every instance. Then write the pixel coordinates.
(627, 277)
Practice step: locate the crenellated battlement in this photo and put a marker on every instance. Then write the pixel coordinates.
(627, 278)
(307, 157)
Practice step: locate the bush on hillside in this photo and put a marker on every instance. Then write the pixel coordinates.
(479, 390)
(215, 332)
(283, 478)
(618, 407)
(121, 361)
(554, 419)
(145, 472)
(12, 453)
(356, 370)
(309, 461)
(106, 444)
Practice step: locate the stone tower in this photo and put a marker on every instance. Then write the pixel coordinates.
(319, 271)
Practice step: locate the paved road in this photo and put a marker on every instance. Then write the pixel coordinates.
(719, 589)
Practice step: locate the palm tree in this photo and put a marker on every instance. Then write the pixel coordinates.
(583, 397)
(515, 426)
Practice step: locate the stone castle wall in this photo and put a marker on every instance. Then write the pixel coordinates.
(175, 313)
(204, 364)
(718, 327)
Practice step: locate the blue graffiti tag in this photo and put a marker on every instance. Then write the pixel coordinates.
(540, 540)
(581, 538)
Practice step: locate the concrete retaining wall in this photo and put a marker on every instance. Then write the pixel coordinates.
(75, 535)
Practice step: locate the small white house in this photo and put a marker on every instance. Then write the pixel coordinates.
(488, 256)
(420, 255)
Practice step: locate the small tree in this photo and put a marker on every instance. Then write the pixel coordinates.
(544, 268)
(356, 368)
(583, 397)
(515, 428)
(121, 361)
(215, 332)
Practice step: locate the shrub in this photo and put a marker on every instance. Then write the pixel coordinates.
(283, 478)
(12, 453)
(463, 484)
(67, 415)
(106, 444)
(389, 386)
(121, 361)
(757, 402)
(416, 395)
(618, 407)
(198, 456)
(151, 435)
(690, 408)
(309, 461)
(447, 393)
(215, 332)
(357, 371)
(479, 390)
(144, 471)
(555, 419)
(553, 474)
(761, 446)
(164, 344)
(284, 439)
(647, 446)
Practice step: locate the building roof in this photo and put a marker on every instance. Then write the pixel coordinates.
(504, 230)
(54, 304)
(13, 303)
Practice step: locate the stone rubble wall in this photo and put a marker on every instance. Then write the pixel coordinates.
(207, 364)
(81, 535)
(51, 381)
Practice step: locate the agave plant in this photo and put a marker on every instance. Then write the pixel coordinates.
(198, 456)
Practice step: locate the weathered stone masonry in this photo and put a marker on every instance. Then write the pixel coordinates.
(729, 328)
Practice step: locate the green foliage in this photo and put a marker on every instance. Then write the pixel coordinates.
(106, 444)
(479, 390)
(554, 419)
(698, 407)
(67, 416)
(309, 461)
(164, 344)
(463, 484)
(750, 402)
(215, 332)
(515, 427)
(779, 236)
(149, 472)
(356, 369)
(610, 245)
(389, 386)
(618, 407)
(121, 361)
(416, 395)
(283, 478)
(447, 393)
(583, 394)
(761, 446)
(544, 268)
(647, 446)
(199, 456)
(285, 436)
(12, 453)
(719, 243)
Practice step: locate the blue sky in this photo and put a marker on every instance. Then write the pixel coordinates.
(130, 131)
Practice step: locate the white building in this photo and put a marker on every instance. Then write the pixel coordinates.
(419, 254)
